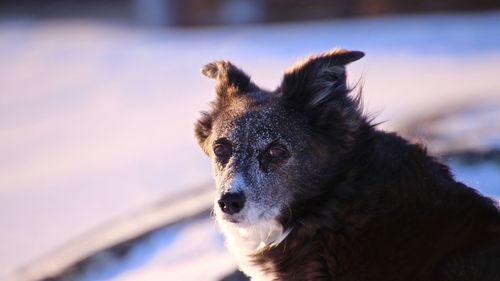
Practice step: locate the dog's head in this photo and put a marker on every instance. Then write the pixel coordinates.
(270, 148)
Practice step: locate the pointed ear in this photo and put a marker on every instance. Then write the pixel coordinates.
(318, 80)
(230, 79)
(230, 82)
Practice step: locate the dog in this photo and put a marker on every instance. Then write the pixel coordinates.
(309, 189)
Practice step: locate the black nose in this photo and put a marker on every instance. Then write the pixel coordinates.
(232, 203)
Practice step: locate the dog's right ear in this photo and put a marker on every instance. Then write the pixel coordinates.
(230, 83)
(230, 79)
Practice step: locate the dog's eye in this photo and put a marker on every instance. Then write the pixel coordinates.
(223, 150)
(276, 152)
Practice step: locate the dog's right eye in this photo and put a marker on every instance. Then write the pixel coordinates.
(223, 150)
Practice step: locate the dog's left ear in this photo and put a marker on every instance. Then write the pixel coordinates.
(318, 80)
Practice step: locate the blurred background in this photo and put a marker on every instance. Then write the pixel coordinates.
(100, 175)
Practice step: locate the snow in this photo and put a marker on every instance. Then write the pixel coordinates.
(96, 119)
(483, 176)
(194, 252)
(98, 249)
(474, 126)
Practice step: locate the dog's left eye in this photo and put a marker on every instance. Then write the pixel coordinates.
(276, 153)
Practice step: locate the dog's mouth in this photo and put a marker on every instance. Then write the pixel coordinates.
(246, 218)
(238, 219)
(234, 219)
(222, 216)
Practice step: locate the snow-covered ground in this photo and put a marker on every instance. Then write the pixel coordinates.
(190, 252)
(96, 119)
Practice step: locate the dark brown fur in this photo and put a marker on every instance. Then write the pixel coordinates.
(406, 219)
(371, 206)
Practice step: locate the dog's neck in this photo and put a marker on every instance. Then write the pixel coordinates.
(246, 242)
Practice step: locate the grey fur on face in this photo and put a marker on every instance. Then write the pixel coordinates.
(251, 130)
(262, 142)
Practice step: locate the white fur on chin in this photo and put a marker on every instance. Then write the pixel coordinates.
(245, 241)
